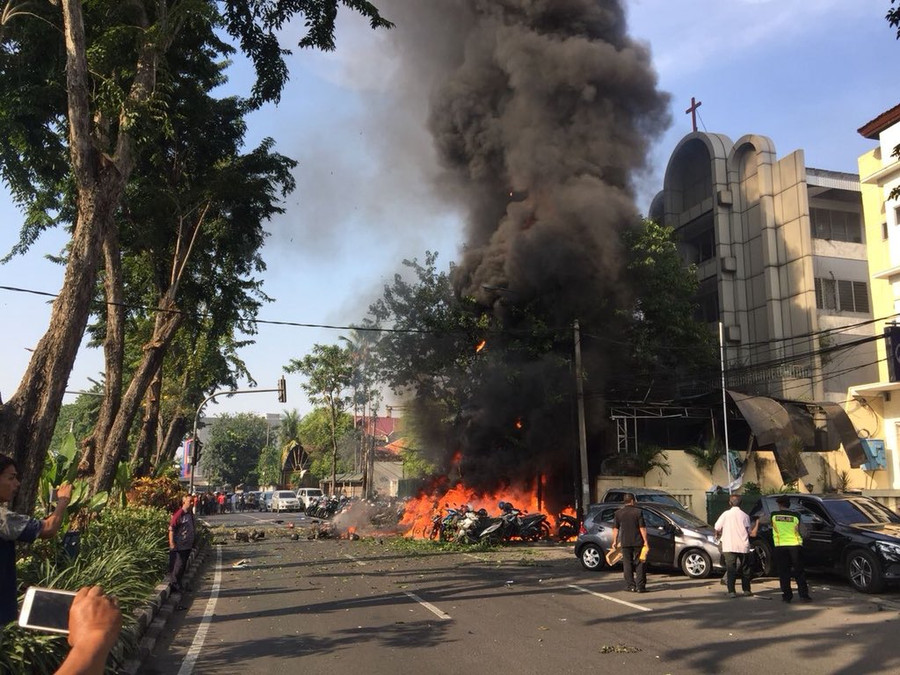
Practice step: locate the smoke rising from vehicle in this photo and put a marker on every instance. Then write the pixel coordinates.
(541, 113)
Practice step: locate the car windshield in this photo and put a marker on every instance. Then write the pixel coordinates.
(660, 499)
(286, 495)
(855, 511)
(684, 518)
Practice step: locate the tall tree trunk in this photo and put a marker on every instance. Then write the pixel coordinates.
(165, 453)
(333, 447)
(140, 459)
(113, 351)
(28, 419)
(168, 319)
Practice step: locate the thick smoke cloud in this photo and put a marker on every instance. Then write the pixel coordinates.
(541, 112)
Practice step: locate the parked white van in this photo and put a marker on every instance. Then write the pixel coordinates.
(306, 495)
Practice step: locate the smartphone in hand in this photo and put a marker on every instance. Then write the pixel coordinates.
(46, 609)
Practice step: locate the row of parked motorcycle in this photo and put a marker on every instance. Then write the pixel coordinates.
(466, 525)
(325, 506)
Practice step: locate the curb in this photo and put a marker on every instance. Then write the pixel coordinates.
(151, 619)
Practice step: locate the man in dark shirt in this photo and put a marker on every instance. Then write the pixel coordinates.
(630, 533)
(18, 527)
(181, 541)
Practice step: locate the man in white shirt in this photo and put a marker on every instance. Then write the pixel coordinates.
(734, 531)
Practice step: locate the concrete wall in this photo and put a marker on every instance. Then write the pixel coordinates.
(689, 484)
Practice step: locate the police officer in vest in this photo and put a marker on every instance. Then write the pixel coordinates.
(787, 540)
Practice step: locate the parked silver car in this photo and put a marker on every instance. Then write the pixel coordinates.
(678, 539)
(284, 500)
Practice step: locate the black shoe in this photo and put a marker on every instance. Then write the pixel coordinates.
(805, 598)
(631, 589)
(786, 599)
(642, 590)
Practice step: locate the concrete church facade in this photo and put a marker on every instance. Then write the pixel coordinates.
(780, 252)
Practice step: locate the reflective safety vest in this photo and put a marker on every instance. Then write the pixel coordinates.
(785, 529)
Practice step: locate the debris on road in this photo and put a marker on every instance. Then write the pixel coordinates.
(618, 649)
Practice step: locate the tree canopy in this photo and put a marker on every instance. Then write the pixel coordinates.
(81, 85)
(231, 453)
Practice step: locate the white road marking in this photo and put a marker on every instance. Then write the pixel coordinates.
(355, 559)
(427, 605)
(609, 597)
(190, 659)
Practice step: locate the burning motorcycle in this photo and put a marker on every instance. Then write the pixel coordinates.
(567, 526)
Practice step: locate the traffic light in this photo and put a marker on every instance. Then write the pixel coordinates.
(282, 390)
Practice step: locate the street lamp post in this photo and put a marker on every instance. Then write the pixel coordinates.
(282, 397)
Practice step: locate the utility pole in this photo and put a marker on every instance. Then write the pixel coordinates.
(724, 404)
(582, 434)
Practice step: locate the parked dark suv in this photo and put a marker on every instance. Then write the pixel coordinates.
(848, 534)
(641, 495)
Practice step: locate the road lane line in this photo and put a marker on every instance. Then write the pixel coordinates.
(355, 559)
(190, 659)
(427, 605)
(609, 597)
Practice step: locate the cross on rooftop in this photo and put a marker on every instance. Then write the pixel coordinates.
(693, 111)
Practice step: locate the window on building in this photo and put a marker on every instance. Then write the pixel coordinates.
(835, 225)
(702, 247)
(842, 295)
(884, 230)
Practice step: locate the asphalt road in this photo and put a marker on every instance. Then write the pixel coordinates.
(368, 606)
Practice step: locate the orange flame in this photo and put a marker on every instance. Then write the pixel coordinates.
(518, 423)
(480, 346)
(419, 512)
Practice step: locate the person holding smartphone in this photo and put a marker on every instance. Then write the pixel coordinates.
(18, 527)
(94, 625)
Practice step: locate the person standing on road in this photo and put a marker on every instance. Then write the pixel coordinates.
(787, 540)
(630, 532)
(181, 542)
(17, 527)
(734, 530)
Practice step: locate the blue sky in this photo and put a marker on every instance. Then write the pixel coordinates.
(806, 74)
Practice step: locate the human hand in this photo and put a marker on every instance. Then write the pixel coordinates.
(64, 491)
(94, 620)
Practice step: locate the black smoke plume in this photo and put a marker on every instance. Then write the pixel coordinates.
(541, 112)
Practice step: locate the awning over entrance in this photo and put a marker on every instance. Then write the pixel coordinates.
(790, 425)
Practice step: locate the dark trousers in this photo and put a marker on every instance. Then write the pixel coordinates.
(789, 563)
(634, 568)
(178, 561)
(734, 566)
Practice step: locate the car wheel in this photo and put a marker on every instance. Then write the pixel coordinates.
(766, 557)
(592, 557)
(696, 564)
(864, 571)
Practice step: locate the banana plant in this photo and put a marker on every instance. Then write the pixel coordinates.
(63, 468)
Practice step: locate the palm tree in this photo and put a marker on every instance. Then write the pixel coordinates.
(651, 457)
(707, 456)
(289, 439)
